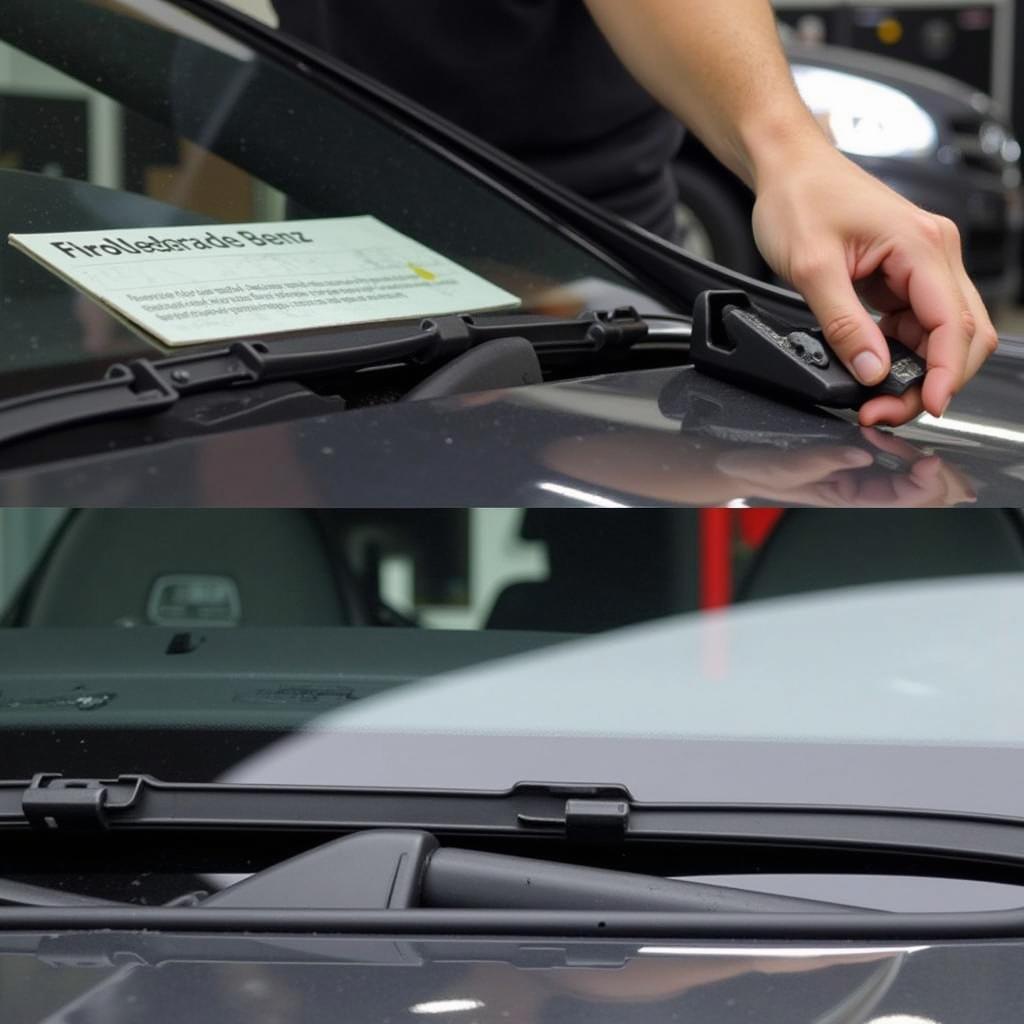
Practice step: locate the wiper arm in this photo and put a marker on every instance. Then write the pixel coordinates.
(144, 387)
(393, 868)
(591, 815)
(729, 340)
(397, 870)
(468, 878)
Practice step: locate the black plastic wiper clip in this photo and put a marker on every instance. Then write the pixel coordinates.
(52, 802)
(735, 342)
(596, 820)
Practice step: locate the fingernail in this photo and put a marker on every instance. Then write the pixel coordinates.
(868, 367)
(945, 407)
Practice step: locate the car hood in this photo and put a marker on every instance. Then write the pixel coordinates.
(655, 437)
(887, 691)
(223, 978)
(754, 672)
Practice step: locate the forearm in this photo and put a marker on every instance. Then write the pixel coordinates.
(719, 67)
(822, 223)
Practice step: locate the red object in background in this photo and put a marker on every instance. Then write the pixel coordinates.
(716, 537)
(756, 524)
(715, 557)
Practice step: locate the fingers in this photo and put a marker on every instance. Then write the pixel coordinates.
(888, 409)
(942, 312)
(879, 294)
(848, 327)
(960, 335)
(837, 235)
(891, 410)
(904, 327)
(985, 343)
(934, 309)
(944, 321)
(985, 340)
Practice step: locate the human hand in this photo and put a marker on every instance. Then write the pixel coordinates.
(839, 236)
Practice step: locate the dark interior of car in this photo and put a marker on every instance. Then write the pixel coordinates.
(847, 547)
(292, 567)
(280, 560)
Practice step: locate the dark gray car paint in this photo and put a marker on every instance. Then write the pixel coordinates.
(640, 438)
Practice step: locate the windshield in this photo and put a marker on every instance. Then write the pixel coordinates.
(244, 644)
(135, 114)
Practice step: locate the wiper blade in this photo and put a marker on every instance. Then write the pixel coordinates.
(144, 387)
(605, 815)
(52, 802)
(394, 868)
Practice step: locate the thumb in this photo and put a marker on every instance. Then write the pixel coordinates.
(848, 327)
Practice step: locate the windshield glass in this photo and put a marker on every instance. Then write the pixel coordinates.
(244, 644)
(135, 114)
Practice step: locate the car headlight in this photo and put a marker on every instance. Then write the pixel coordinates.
(866, 118)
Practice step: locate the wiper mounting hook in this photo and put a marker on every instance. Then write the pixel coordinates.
(52, 802)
